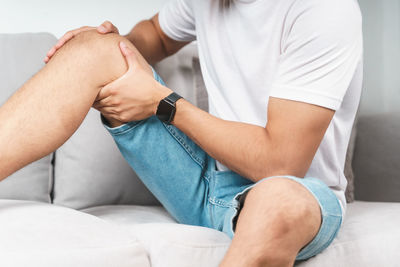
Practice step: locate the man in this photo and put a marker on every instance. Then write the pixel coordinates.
(265, 166)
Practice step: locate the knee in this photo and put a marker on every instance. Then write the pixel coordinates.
(96, 54)
(292, 210)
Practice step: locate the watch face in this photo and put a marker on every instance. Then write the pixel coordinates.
(165, 111)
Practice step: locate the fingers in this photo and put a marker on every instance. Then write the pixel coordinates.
(129, 55)
(100, 105)
(108, 112)
(66, 37)
(107, 27)
(104, 93)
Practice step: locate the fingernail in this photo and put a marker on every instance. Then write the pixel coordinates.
(101, 29)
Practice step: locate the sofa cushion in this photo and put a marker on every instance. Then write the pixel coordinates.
(21, 56)
(348, 165)
(44, 235)
(177, 72)
(376, 160)
(181, 245)
(90, 171)
(131, 214)
(168, 243)
(369, 237)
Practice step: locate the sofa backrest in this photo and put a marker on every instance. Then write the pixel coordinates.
(376, 161)
(21, 55)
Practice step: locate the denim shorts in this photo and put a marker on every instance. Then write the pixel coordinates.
(184, 178)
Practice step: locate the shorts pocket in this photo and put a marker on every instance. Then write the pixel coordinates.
(224, 185)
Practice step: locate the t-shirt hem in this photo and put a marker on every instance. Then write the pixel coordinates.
(306, 96)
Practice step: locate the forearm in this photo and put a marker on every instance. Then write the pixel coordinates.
(244, 148)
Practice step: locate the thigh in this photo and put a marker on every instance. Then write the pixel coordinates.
(170, 164)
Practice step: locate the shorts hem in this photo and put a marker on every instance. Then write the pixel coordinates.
(330, 209)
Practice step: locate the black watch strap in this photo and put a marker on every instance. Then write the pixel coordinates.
(167, 108)
(173, 97)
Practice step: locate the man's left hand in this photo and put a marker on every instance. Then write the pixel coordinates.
(135, 95)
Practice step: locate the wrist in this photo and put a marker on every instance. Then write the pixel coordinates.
(161, 93)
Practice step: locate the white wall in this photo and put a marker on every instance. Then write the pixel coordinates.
(58, 16)
(382, 56)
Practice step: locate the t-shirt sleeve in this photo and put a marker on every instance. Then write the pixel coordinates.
(177, 20)
(320, 51)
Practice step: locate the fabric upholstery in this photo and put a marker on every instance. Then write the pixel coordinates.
(199, 85)
(369, 237)
(128, 214)
(169, 244)
(176, 71)
(42, 235)
(377, 158)
(21, 57)
(90, 171)
(348, 166)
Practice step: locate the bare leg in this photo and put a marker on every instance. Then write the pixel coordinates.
(49, 108)
(279, 217)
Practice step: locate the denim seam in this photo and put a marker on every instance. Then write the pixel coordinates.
(207, 177)
(184, 145)
(220, 203)
(116, 133)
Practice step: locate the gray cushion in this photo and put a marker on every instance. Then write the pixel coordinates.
(177, 73)
(199, 85)
(90, 171)
(376, 160)
(21, 56)
(348, 167)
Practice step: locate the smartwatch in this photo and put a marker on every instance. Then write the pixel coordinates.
(167, 108)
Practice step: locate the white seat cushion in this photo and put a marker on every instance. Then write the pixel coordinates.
(169, 244)
(43, 235)
(369, 237)
(131, 214)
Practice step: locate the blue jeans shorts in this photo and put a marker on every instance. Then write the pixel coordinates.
(185, 180)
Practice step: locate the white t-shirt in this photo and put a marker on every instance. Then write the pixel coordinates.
(301, 50)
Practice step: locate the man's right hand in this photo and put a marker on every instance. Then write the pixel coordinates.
(106, 27)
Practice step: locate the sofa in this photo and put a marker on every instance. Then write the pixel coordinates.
(84, 206)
